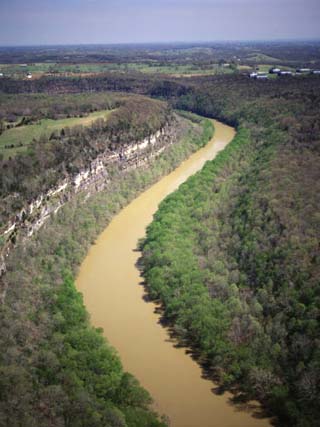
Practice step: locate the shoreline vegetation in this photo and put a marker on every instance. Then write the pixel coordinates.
(57, 369)
(232, 255)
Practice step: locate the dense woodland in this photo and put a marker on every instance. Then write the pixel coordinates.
(19, 109)
(233, 255)
(55, 368)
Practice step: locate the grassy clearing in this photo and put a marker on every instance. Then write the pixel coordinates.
(266, 67)
(260, 57)
(244, 67)
(17, 139)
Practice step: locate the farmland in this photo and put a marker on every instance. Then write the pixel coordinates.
(18, 138)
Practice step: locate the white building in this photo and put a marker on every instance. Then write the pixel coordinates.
(274, 70)
(285, 73)
(303, 70)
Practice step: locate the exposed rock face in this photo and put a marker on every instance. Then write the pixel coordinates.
(92, 179)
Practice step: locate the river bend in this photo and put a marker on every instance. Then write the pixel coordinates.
(112, 291)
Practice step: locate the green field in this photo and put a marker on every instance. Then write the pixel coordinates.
(17, 139)
(265, 67)
(260, 57)
(39, 69)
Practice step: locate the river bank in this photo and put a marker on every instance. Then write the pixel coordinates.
(109, 281)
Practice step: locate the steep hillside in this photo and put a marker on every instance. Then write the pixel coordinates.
(36, 183)
(56, 369)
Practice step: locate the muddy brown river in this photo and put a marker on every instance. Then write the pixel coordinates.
(112, 291)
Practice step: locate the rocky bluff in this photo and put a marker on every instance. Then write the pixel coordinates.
(90, 179)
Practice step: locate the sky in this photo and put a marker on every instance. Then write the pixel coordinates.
(42, 22)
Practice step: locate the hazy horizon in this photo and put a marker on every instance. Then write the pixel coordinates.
(74, 22)
(169, 42)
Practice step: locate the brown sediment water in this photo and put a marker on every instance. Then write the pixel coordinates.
(112, 291)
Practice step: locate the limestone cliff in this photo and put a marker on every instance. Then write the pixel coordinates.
(91, 179)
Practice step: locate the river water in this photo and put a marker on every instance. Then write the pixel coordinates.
(112, 291)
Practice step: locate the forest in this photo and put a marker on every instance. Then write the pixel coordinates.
(56, 369)
(233, 255)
